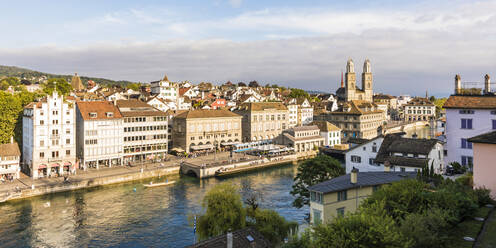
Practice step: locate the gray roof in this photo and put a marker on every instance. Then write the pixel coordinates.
(394, 143)
(487, 138)
(364, 179)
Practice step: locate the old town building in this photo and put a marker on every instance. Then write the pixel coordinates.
(145, 131)
(419, 109)
(263, 120)
(48, 137)
(351, 90)
(200, 130)
(304, 139)
(100, 134)
(330, 133)
(10, 161)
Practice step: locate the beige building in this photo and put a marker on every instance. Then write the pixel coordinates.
(9, 161)
(351, 91)
(419, 109)
(343, 194)
(263, 120)
(304, 139)
(202, 129)
(357, 119)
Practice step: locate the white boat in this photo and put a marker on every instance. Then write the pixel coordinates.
(151, 184)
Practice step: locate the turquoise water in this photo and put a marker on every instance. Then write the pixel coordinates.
(117, 216)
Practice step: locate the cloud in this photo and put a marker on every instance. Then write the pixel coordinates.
(235, 3)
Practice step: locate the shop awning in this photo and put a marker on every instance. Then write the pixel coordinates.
(42, 166)
(229, 143)
(202, 147)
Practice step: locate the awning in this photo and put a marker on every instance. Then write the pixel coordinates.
(67, 163)
(202, 147)
(177, 149)
(42, 166)
(229, 143)
(55, 165)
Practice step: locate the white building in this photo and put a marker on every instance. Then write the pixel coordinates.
(99, 134)
(305, 111)
(330, 133)
(403, 99)
(145, 131)
(293, 113)
(161, 104)
(9, 161)
(49, 140)
(467, 116)
(362, 156)
(165, 89)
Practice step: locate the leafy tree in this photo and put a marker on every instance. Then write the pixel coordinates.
(253, 84)
(429, 228)
(133, 86)
(303, 241)
(296, 93)
(10, 106)
(224, 211)
(270, 224)
(4, 85)
(59, 84)
(311, 172)
(275, 86)
(360, 230)
(432, 99)
(241, 84)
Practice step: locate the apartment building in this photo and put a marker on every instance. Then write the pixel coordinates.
(357, 119)
(49, 137)
(419, 109)
(201, 129)
(330, 133)
(304, 139)
(467, 116)
(263, 120)
(165, 89)
(99, 133)
(301, 111)
(10, 161)
(145, 131)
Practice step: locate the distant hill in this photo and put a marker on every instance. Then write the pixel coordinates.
(36, 76)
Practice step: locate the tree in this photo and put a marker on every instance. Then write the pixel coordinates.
(59, 84)
(270, 224)
(311, 172)
(4, 85)
(10, 106)
(241, 84)
(224, 211)
(429, 228)
(133, 86)
(296, 93)
(253, 84)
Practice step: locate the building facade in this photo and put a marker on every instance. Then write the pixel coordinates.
(48, 137)
(304, 139)
(484, 170)
(165, 89)
(198, 130)
(362, 156)
(351, 91)
(145, 131)
(330, 133)
(419, 109)
(100, 134)
(10, 156)
(263, 120)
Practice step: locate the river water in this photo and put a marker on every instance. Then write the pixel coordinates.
(119, 216)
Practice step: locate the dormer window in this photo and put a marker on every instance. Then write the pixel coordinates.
(93, 115)
(110, 114)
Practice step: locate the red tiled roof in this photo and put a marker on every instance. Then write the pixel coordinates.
(101, 108)
(183, 90)
(471, 102)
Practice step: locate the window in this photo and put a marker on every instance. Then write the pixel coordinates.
(55, 122)
(67, 131)
(467, 160)
(464, 111)
(374, 148)
(93, 115)
(356, 159)
(67, 152)
(55, 142)
(67, 141)
(466, 123)
(375, 188)
(316, 197)
(371, 161)
(42, 122)
(42, 143)
(42, 154)
(342, 195)
(317, 217)
(340, 212)
(466, 144)
(110, 114)
(402, 169)
(55, 154)
(494, 124)
(364, 148)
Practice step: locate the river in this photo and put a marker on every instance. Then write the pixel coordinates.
(119, 216)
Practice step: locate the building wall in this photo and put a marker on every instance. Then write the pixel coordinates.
(154, 132)
(263, 125)
(484, 169)
(201, 131)
(331, 138)
(293, 115)
(365, 152)
(354, 125)
(331, 204)
(481, 123)
(10, 165)
(419, 112)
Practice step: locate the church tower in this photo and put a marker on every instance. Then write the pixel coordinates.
(350, 77)
(367, 81)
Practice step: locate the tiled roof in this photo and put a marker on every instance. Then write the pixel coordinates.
(487, 138)
(10, 149)
(471, 102)
(206, 113)
(183, 90)
(131, 104)
(101, 108)
(305, 128)
(261, 106)
(364, 179)
(247, 237)
(394, 143)
(134, 108)
(326, 126)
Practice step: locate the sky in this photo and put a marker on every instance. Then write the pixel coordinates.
(413, 46)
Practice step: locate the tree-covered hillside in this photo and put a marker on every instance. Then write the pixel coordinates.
(34, 76)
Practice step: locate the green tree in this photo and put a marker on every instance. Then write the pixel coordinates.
(429, 228)
(270, 224)
(10, 108)
(4, 85)
(296, 93)
(224, 211)
(59, 84)
(133, 86)
(311, 172)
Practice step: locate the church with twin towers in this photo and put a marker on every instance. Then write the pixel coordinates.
(351, 91)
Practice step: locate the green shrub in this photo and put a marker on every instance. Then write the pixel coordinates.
(458, 168)
(429, 228)
(466, 180)
(483, 196)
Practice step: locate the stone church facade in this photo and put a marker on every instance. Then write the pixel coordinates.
(351, 90)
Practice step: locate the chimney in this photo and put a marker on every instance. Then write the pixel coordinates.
(487, 84)
(229, 240)
(458, 84)
(387, 166)
(354, 175)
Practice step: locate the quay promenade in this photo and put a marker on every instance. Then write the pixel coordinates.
(23, 187)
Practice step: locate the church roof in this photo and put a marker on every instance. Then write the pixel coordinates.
(76, 83)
